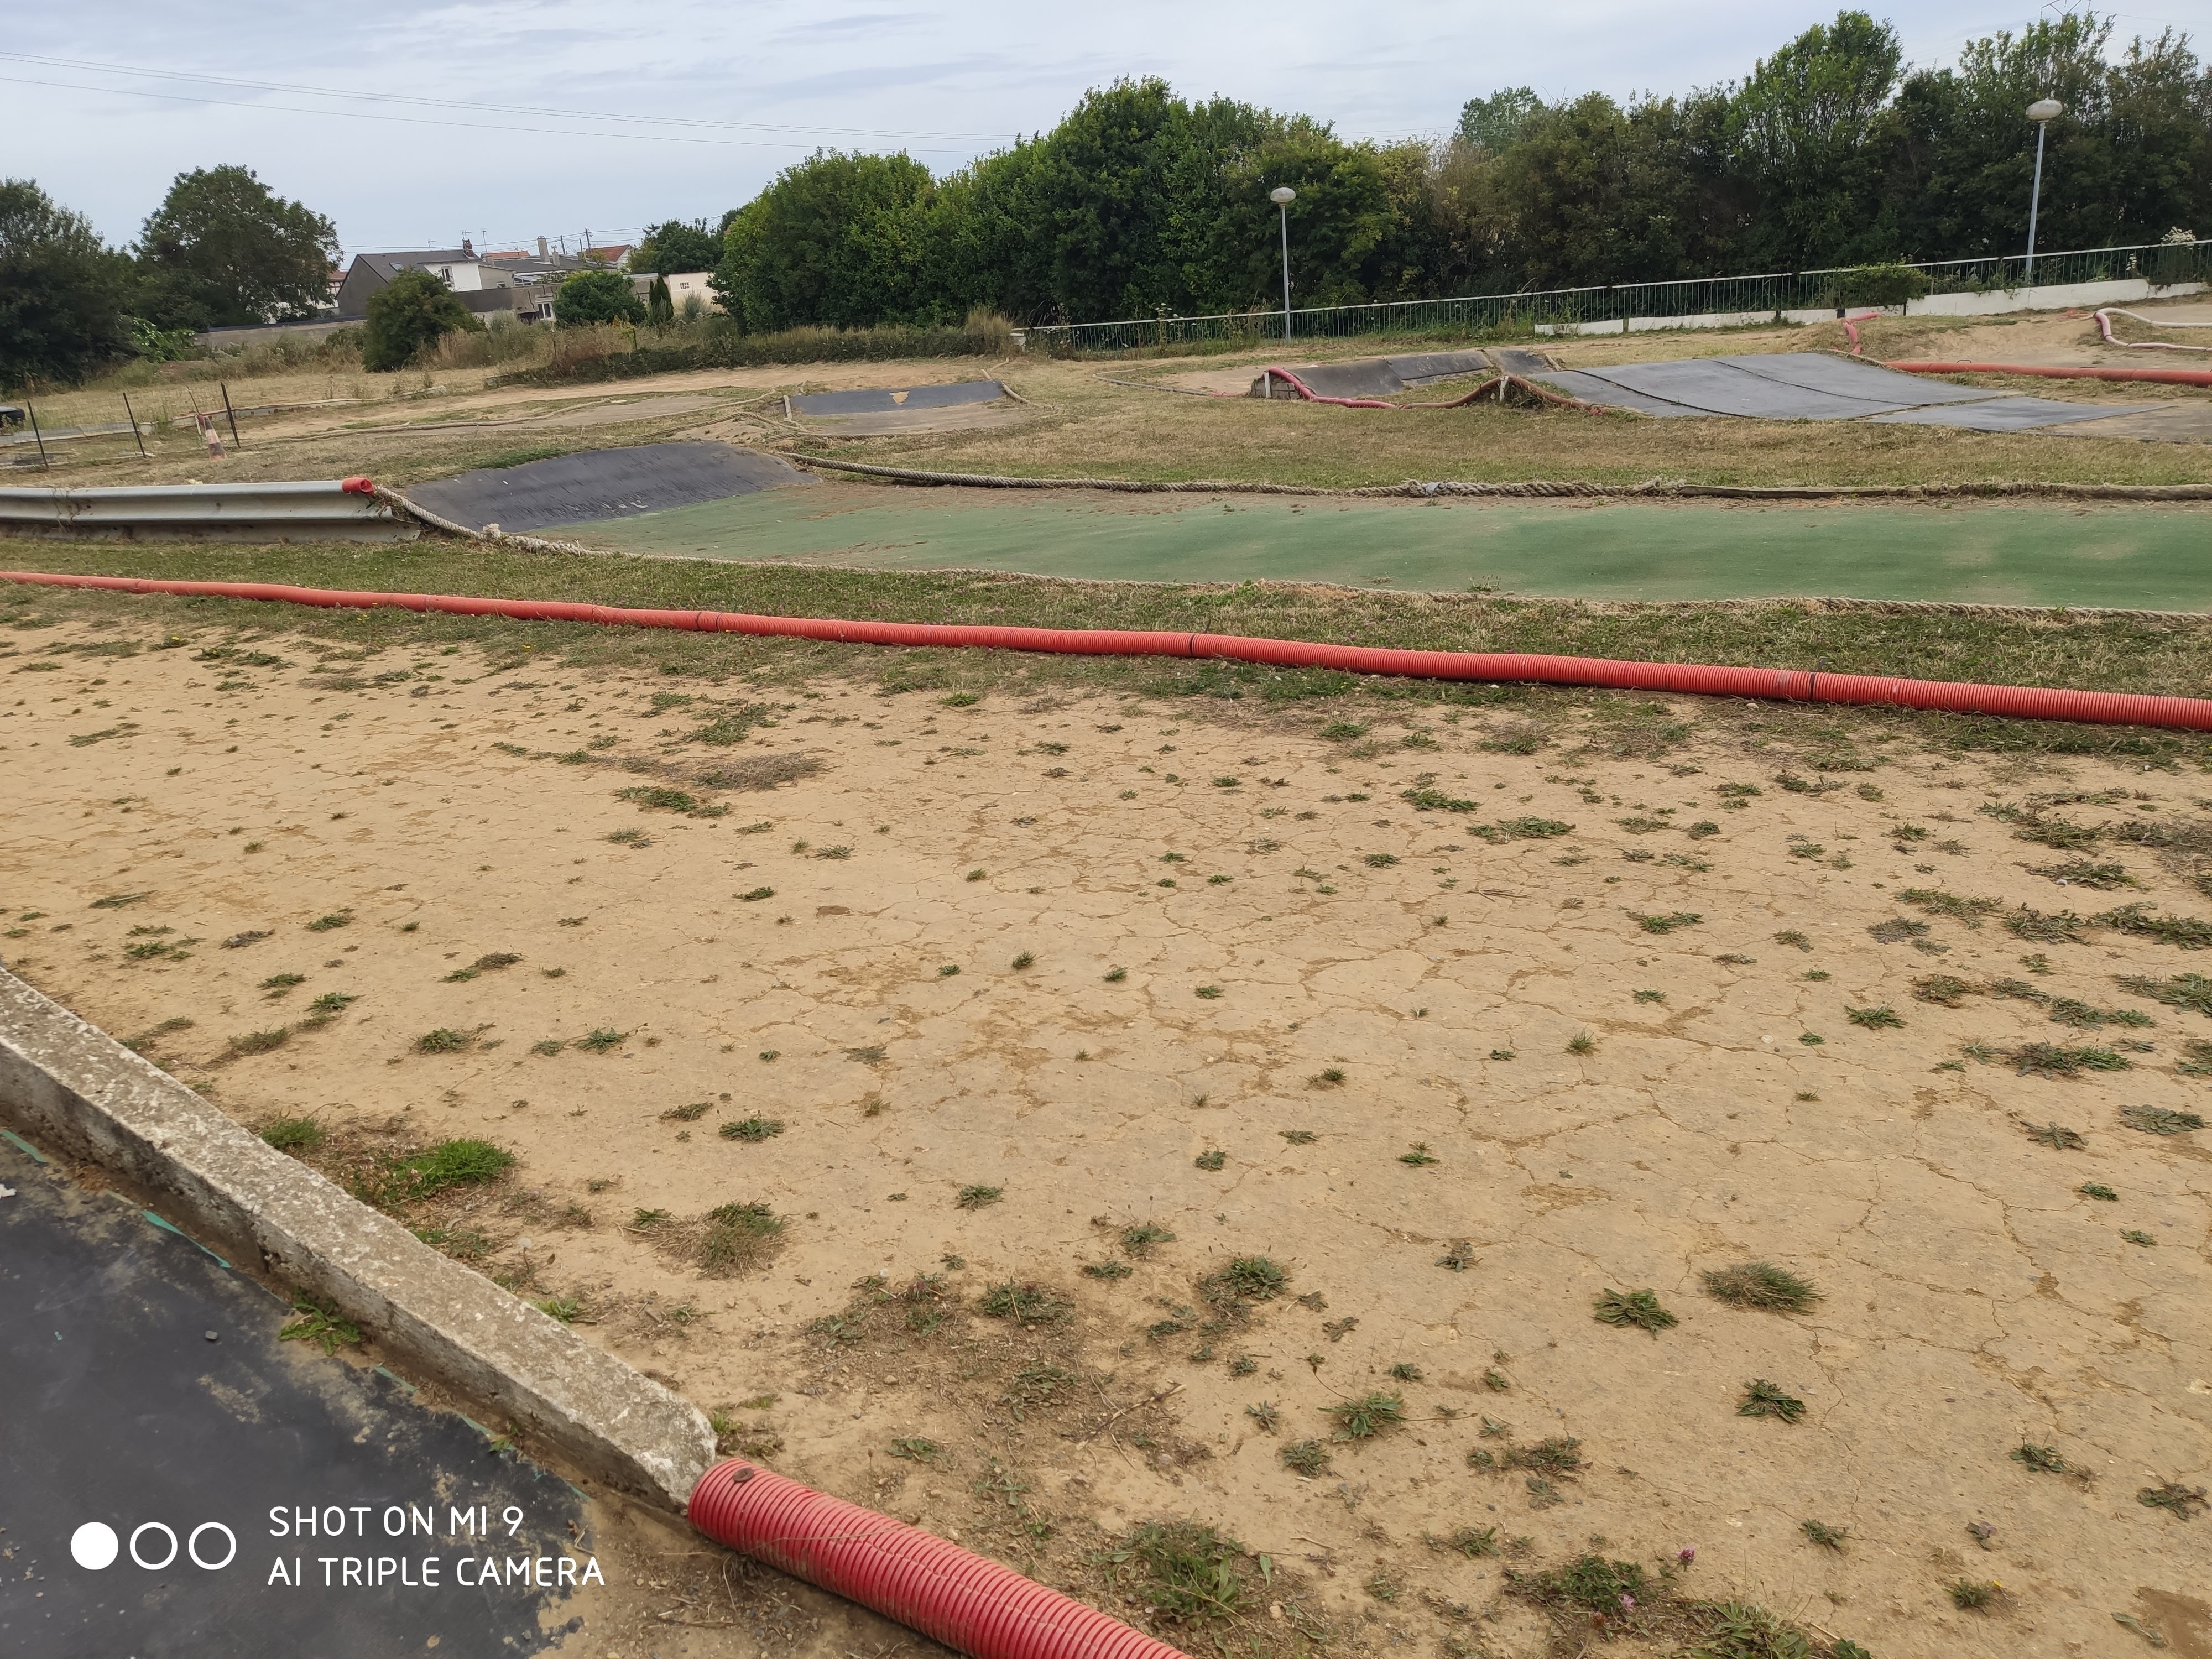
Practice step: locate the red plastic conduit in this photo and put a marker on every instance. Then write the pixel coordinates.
(1788, 684)
(971, 1605)
(2171, 376)
(2062, 372)
(2104, 327)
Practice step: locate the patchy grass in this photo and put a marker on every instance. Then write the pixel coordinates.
(975, 1198)
(1185, 1572)
(1307, 1457)
(294, 1135)
(1761, 1284)
(320, 1323)
(753, 1129)
(734, 1238)
(1029, 1304)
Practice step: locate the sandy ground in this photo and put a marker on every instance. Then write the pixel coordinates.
(1214, 976)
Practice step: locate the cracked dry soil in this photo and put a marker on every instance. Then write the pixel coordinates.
(1236, 936)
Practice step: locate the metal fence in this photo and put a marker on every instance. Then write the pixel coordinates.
(333, 510)
(2162, 264)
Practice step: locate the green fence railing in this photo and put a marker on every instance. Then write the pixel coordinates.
(1750, 297)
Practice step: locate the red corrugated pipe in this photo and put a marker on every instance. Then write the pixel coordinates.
(1786, 685)
(971, 1605)
(2104, 327)
(2063, 372)
(2053, 372)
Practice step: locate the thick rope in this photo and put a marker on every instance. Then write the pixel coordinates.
(1539, 488)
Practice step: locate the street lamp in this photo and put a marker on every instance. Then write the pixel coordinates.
(1282, 196)
(2043, 112)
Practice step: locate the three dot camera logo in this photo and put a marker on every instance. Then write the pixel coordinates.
(94, 1546)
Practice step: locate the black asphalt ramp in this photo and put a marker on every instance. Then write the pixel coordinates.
(1811, 385)
(878, 400)
(603, 483)
(180, 1482)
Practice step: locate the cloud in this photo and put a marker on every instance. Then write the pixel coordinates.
(955, 68)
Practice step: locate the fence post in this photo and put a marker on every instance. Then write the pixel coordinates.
(45, 461)
(232, 418)
(135, 433)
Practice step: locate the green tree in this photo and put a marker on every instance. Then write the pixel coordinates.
(61, 291)
(837, 239)
(1498, 121)
(660, 304)
(1594, 194)
(677, 245)
(407, 313)
(222, 249)
(1810, 136)
(597, 296)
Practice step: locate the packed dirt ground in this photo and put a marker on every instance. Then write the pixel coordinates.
(1517, 1173)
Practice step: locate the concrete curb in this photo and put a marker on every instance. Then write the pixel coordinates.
(69, 1085)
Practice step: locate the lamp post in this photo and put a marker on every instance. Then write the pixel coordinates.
(2043, 112)
(1282, 196)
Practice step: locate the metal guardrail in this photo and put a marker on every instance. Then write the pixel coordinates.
(330, 510)
(2160, 263)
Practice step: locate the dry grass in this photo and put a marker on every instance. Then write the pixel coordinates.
(1077, 422)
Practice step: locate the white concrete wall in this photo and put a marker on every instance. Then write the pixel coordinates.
(2057, 297)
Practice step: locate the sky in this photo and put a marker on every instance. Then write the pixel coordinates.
(413, 123)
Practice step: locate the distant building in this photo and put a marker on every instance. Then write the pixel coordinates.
(514, 281)
(692, 284)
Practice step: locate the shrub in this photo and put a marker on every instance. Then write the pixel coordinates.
(411, 310)
(1881, 285)
(597, 296)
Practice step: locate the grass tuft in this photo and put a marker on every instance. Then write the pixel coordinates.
(1761, 1284)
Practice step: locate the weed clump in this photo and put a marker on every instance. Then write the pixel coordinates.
(1639, 1308)
(753, 1129)
(1761, 1284)
(2160, 1119)
(1246, 1278)
(1590, 1583)
(1307, 1457)
(736, 1237)
(1764, 1398)
(319, 1322)
(975, 1198)
(1030, 1304)
(292, 1135)
(1368, 1415)
(1189, 1572)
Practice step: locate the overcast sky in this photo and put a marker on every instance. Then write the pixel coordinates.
(614, 116)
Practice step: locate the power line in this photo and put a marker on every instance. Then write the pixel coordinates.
(471, 104)
(423, 121)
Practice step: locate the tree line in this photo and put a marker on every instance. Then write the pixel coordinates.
(222, 249)
(1831, 152)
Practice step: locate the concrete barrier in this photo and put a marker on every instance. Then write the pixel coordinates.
(68, 1086)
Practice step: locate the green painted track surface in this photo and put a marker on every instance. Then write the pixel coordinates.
(2037, 554)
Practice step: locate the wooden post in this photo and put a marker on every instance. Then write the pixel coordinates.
(135, 433)
(232, 418)
(45, 461)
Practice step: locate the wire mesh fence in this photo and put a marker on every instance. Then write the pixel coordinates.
(1713, 299)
